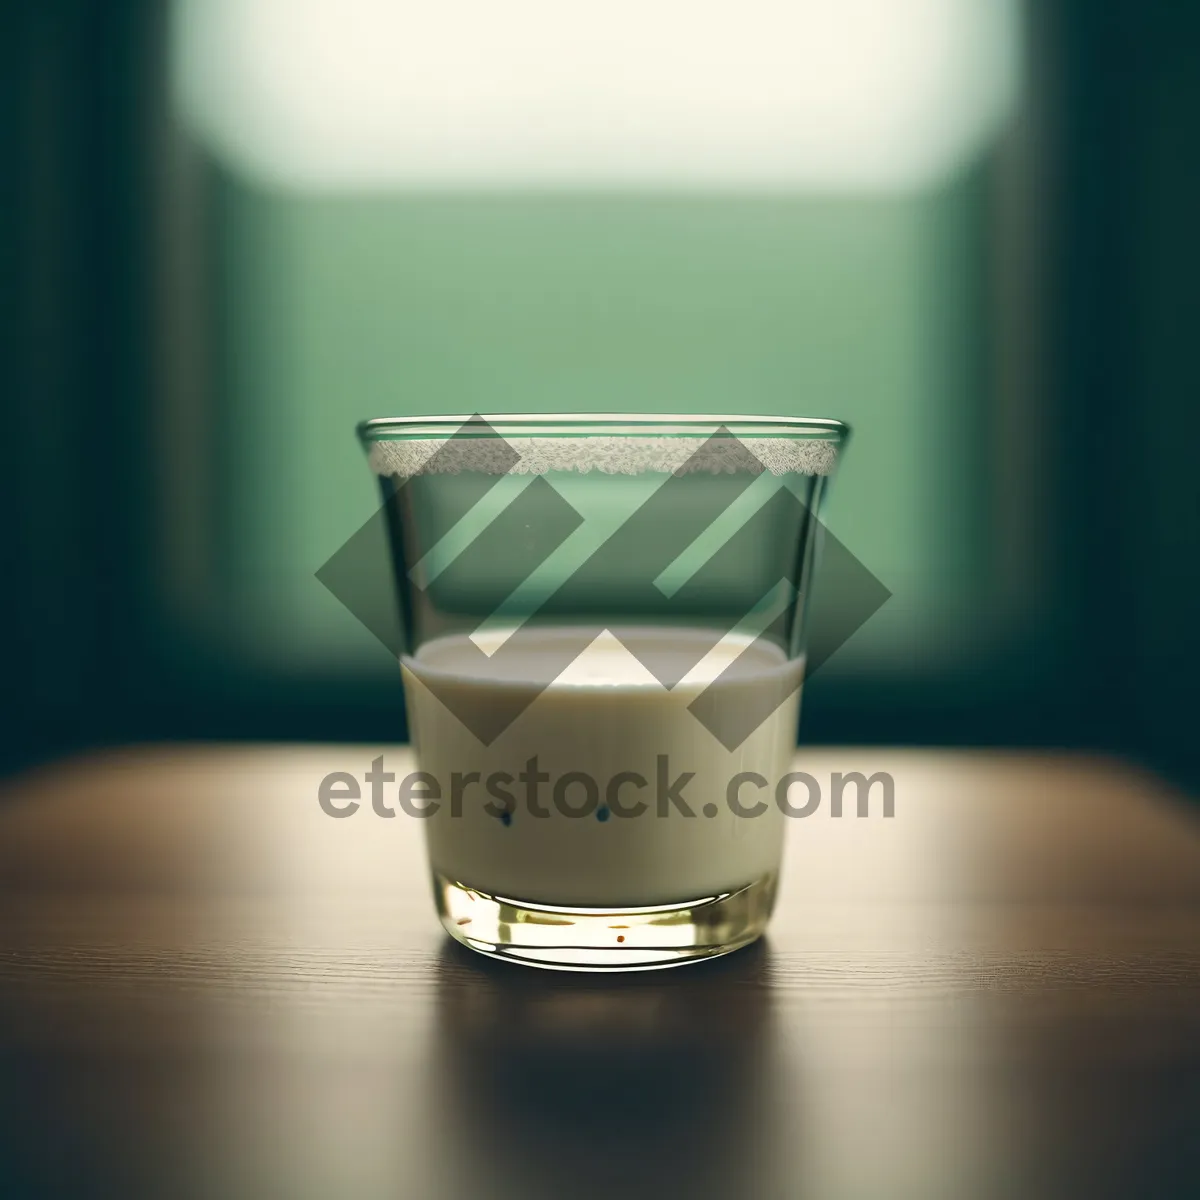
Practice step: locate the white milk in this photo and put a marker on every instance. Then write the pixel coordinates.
(603, 715)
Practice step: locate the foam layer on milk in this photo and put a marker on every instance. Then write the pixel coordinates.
(610, 455)
(609, 661)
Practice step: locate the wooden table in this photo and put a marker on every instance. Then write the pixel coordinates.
(210, 988)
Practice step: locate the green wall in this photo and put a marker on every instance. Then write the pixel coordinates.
(336, 309)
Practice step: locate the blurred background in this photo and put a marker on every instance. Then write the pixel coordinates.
(232, 228)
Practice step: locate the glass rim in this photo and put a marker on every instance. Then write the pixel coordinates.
(602, 424)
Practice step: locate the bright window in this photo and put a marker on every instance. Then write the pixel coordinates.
(763, 208)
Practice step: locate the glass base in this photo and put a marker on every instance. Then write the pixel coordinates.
(604, 939)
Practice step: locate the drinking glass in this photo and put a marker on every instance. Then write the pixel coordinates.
(603, 631)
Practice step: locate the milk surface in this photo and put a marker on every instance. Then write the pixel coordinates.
(605, 714)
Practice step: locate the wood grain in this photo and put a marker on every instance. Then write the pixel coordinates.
(209, 988)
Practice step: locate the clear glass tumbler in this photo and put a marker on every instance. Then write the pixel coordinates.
(603, 625)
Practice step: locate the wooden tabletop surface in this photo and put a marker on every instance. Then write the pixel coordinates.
(209, 988)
